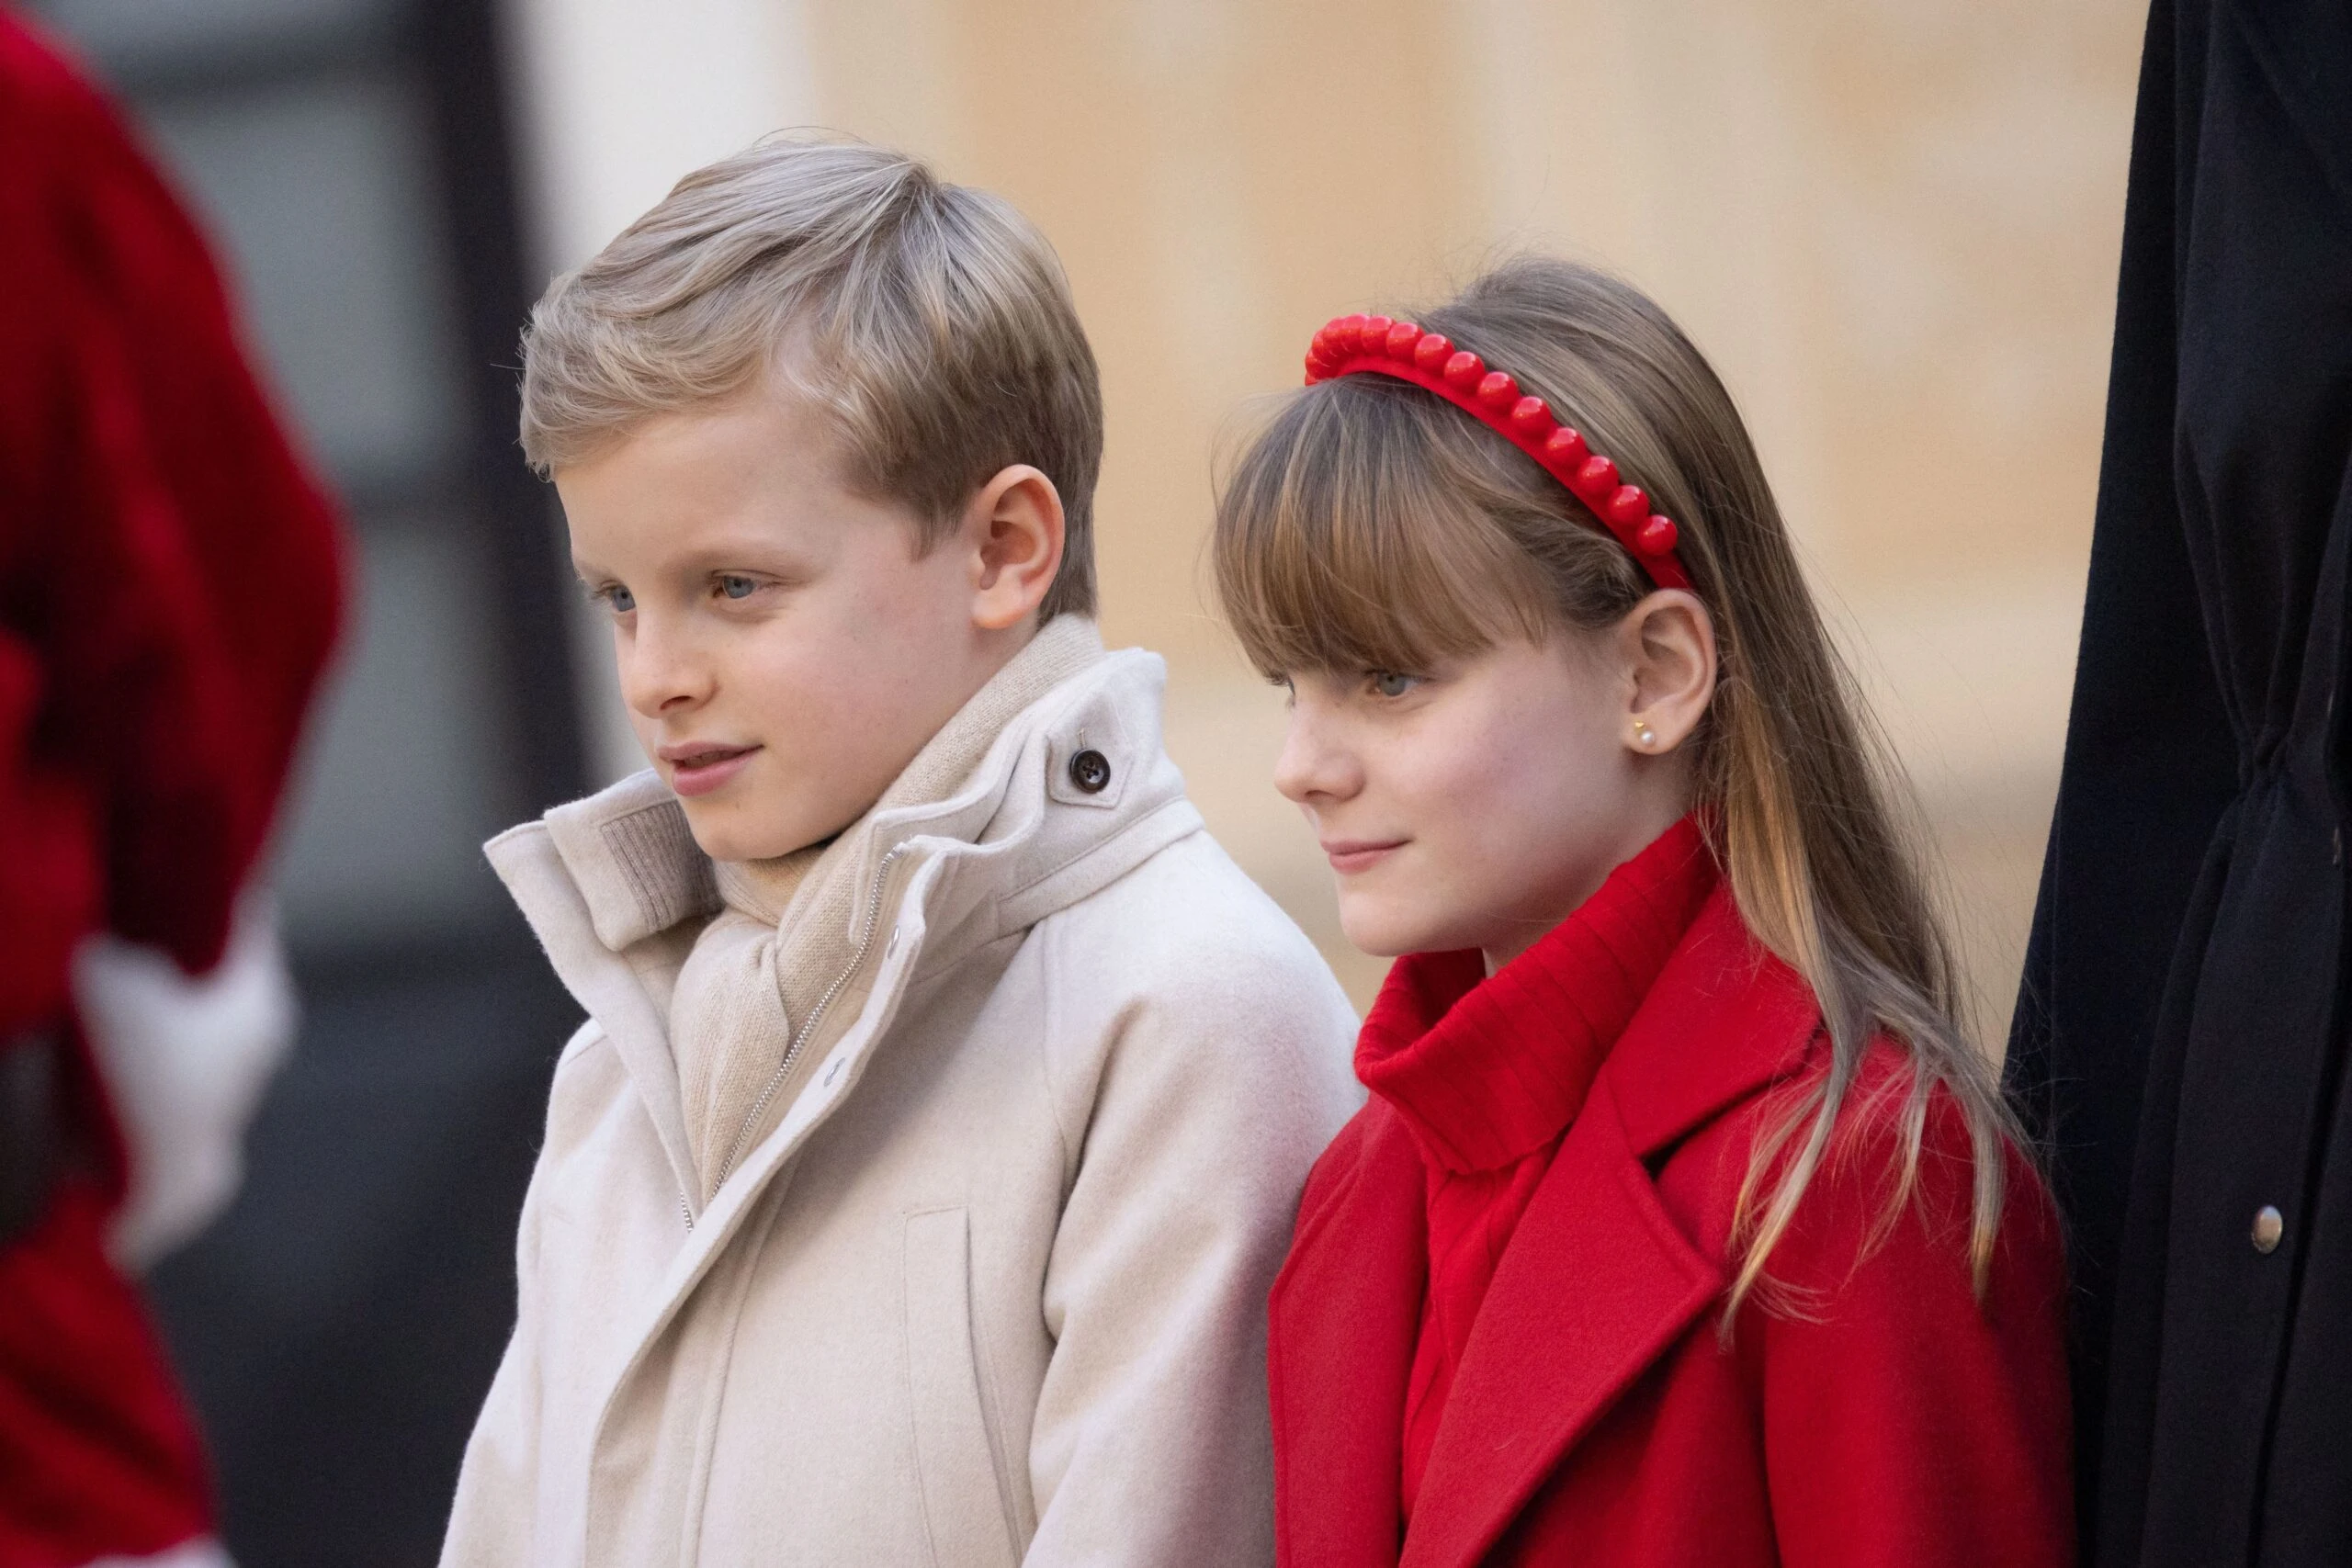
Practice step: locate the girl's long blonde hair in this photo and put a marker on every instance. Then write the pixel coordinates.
(1372, 526)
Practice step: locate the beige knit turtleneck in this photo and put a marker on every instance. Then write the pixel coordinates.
(757, 971)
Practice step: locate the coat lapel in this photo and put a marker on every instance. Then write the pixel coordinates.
(1599, 1281)
(1342, 1324)
(1726, 1020)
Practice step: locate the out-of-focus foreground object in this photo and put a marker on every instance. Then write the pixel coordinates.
(184, 1062)
(335, 1328)
(2181, 1027)
(169, 586)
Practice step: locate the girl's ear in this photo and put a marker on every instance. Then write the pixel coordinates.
(1667, 642)
(1013, 530)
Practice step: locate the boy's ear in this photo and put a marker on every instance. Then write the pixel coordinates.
(1013, 530)
(1669, 643)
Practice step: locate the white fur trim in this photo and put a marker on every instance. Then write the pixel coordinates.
(202, 1552)
(186, 1062)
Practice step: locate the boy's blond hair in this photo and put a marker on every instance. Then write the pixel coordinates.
(933, 321)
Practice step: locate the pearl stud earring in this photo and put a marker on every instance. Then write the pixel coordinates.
(1643, 735)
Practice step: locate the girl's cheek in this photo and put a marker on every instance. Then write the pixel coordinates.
(1464, 769)
(1441, 794)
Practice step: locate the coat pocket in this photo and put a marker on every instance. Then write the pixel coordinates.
(964, 1502)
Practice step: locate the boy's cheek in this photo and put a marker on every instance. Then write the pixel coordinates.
(820, 768)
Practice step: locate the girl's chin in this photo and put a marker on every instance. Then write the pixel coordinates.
(1384, 931)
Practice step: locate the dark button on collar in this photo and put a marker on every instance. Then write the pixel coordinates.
(1089, 770)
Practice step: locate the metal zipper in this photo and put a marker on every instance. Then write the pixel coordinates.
(816, 1016)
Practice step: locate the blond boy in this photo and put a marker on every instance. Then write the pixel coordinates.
(912, 1192)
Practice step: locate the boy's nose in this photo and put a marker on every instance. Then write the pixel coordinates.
(658, 676)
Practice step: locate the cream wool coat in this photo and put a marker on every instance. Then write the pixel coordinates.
(992, 1291)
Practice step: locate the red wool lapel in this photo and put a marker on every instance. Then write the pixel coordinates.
(1596, 1285)
(1726, 1020)
(1597, 1281)
(1343, 1318)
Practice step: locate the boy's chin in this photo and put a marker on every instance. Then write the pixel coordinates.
(729, 830)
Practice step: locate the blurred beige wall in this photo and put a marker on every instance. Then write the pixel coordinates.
(1894, 226)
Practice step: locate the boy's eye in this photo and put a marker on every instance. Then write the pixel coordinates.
(618, 598)
(1390, 683)
(736, 587)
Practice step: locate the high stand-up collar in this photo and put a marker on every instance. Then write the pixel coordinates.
(1488, 1068)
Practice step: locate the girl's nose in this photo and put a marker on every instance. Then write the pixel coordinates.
(1315, 765)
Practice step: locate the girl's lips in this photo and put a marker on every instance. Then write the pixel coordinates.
(1350, 856)
(702, 771)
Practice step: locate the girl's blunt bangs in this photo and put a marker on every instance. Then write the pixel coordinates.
(1355, 532)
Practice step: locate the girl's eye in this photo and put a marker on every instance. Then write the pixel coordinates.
(1389, 683)
(736, 587)
(617, 598)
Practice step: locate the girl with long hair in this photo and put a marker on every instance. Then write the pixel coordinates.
(1683, 1225)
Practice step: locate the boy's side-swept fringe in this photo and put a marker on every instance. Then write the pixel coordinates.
(1370, 525)
(931, 321)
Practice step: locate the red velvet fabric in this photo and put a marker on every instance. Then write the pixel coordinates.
(1878, 1414)
(1488, 1101)
(169, 588)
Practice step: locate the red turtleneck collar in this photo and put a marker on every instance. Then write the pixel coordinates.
(1488, 1069)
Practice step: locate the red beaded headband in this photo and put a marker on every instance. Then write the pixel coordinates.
(1352, 344)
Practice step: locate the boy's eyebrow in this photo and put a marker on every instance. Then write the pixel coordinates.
(714, 555)
(750, 548)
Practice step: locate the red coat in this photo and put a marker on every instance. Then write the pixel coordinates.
(169, 587)
(1596, 1417)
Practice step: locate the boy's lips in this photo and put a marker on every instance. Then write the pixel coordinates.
(1349, 856)
(699, 767)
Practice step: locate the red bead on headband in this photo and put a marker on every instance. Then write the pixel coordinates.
(1352, 344)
